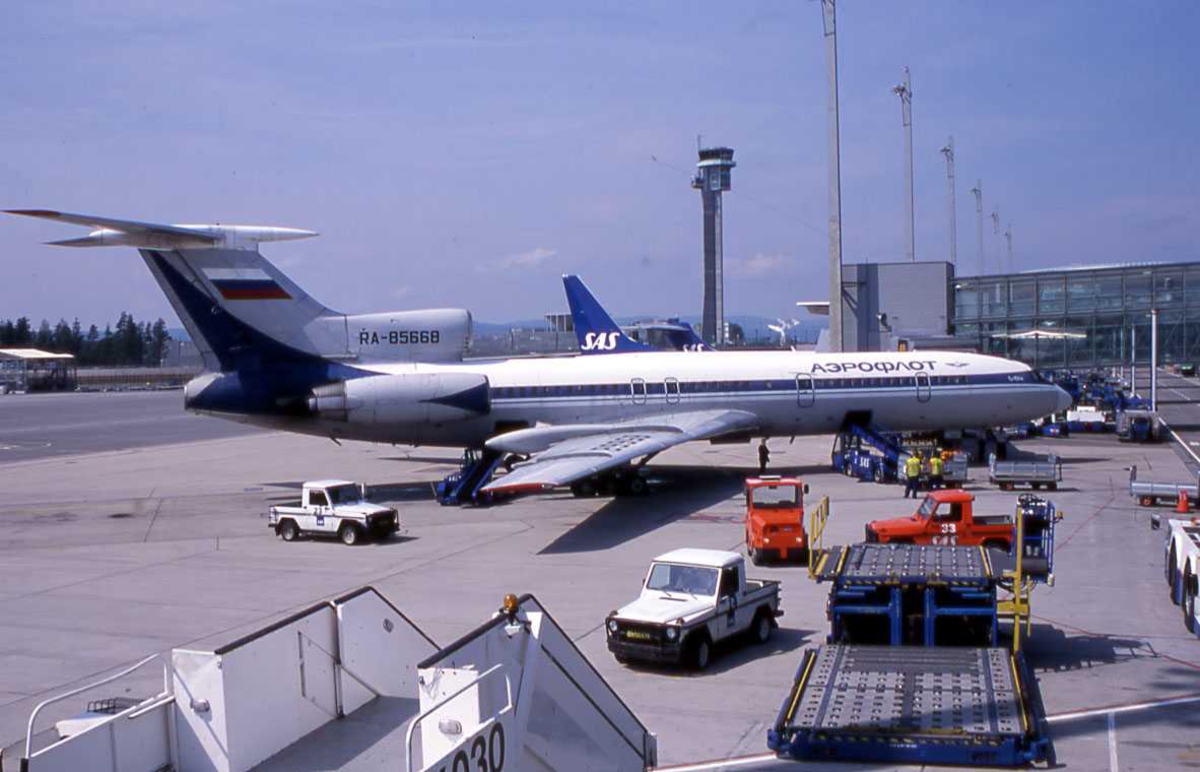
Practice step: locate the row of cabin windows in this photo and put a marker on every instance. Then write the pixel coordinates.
(640, 387)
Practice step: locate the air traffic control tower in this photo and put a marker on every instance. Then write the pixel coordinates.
(713, 178)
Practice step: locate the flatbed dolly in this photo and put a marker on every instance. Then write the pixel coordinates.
(1149, 494)
(913, 705)
(1034, 473)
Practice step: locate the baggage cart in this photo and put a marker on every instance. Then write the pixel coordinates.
(1036, 473)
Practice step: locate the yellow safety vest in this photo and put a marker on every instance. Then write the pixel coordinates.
(935, 465)
(912, 467)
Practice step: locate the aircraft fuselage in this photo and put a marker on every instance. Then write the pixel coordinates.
(790, 393)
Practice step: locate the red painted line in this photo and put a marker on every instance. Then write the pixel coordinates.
(1093, 516)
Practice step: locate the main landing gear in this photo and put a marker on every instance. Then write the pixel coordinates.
(621, 482)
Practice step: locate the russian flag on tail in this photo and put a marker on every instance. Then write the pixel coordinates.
(245, 284)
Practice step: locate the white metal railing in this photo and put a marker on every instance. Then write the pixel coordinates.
(33, 716)
(476, 682)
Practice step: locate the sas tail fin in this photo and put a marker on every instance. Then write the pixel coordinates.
(686, 339)
(241, 311)
(595, 330)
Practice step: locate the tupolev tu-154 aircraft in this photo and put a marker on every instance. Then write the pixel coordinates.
(278, 358)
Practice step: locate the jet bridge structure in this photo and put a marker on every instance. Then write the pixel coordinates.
(352, 683)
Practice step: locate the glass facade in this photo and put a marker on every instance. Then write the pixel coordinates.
(1096, 308)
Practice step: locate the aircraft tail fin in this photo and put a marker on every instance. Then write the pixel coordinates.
(240, 310)
(595, 330)
(686, 339)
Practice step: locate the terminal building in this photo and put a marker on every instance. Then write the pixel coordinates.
(1076, 317)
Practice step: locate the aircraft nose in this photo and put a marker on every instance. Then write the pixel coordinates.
(1063, 400)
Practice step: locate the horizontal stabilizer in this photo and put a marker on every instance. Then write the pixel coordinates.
(133, 233)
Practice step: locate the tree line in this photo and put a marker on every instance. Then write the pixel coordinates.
(131, 343)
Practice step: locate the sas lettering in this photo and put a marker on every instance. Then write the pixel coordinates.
(398, 337)
(600, 341)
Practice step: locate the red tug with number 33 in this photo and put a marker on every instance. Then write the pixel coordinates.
(945, 517)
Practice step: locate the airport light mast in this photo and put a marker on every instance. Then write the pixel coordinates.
(978, 191)
(713, 177)
(904, 91)
(948, 151)
(996, 233)
(1008, 239)
(829, 28)
(1153, 360)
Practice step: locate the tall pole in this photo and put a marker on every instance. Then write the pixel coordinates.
(948, 151)
(1008, 239)
(1153, 359)
(829, 22)
(996, 233)
(1121, 358)
(978, 191)
(1133, 357)
(904, 91)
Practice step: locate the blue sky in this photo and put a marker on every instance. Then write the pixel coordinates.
(468, 154)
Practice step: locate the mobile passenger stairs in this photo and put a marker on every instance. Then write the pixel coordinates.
(852, 454)
(913, 670)
(871, 454)
(352, 683)
(464, 486)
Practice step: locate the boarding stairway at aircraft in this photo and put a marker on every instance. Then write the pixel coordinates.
(851, 457)
(463, 486)
(352, 683)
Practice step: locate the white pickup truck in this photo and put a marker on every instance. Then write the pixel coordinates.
(334, 508)
(691, 600)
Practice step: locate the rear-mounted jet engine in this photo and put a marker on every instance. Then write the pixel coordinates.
(403, 399)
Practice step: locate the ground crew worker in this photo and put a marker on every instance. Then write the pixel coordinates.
(764, 455)
(935, 471)
(912, 475)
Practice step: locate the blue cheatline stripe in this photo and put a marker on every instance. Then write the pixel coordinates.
(544, 394)
(760, 387)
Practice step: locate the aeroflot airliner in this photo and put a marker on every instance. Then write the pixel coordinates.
(278, 358)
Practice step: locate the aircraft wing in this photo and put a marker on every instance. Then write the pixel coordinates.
(569, 453)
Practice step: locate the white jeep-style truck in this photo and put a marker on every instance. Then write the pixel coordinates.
(334, 508)
(691, 600)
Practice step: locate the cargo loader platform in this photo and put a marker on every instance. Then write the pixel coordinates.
(913, 704)
(905, 563)
(898, 594)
